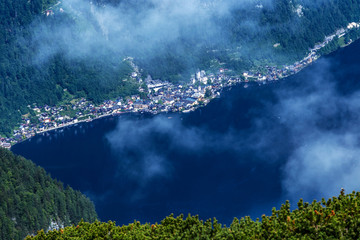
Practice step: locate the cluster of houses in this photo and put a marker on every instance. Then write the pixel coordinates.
(339, 34)
(4, 143)
(275, 73)
(50, 11)
(161, 96)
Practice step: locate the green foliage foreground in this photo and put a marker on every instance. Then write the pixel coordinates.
(337, 218)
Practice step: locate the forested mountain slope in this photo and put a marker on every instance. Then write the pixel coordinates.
(24, 82)
(31, 200)
(79, 49)
(337, 218)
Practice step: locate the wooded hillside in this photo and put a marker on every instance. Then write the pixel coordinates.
(31, 200)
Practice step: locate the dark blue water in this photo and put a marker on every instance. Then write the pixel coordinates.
(229, 159)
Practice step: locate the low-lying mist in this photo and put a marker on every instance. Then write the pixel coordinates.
(190, 30)
(308, 129)
(169, 38)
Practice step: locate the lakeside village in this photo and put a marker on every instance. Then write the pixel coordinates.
(161, 96)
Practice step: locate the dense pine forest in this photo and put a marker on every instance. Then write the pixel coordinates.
(31, 200)
(23, 82)
(247, 38)
(336, 218)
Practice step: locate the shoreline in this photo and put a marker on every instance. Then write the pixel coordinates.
(64, 126)
(194, 108)
(222, 82)
(228, 87)
(70, 124)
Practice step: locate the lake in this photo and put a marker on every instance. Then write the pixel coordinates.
(242, 154)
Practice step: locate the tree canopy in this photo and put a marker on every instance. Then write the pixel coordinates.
(31, 200)
(336, 218)
(250, 33)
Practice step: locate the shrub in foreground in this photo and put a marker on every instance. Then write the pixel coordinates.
(336, 218)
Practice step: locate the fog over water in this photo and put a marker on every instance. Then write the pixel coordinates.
(242, 154)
